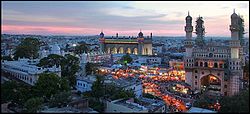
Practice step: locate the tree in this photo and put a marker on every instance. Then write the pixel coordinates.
(91, 67)
(33, 104)
(98, 87)
(70, 66)
(51, 82)
(28, 48)
(8, 58)
(51, 60)
(238, 103)
(82, 47)
(15, 92)
(59, 99)
(126, 59)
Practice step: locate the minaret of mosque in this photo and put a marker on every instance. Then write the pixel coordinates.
(235, 61)
(189, 43)
(102, 41)
(200, 32)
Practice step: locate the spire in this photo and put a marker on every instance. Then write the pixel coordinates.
(188, 13)
(234, 10)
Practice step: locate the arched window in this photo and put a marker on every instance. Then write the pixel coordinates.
(201, 64)
(215, 65)
(206, 65)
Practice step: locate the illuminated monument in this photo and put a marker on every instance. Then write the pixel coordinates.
(139, 45)
(213, 67)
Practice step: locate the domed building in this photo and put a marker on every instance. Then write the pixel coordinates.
(55, 49)
(138, 45)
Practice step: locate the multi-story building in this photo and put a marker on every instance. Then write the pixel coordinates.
(141, 105)
(26, 70)
(213, 67)
(139, 45)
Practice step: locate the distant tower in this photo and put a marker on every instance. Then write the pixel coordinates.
(116, 35)
(102, 41)
(151, 35)
(235, 61)
(140, 39)
(200, 31)
(188, 60)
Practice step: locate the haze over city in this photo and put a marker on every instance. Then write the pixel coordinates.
(123, 17)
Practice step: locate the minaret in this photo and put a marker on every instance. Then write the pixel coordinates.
(189, 42)
(188, 59)
(102, 42)
(235, 61)
(200, 31)
(140, 40)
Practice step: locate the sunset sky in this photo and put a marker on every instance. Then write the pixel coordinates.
(162, 18)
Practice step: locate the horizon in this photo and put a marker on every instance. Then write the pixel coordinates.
(162, 18)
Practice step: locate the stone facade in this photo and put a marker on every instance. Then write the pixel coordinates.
(139, 45)
(212, 66)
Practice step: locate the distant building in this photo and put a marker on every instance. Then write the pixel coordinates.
(141, 105)
(213, 67)
(127, 84)
(26, 70)
(79, 106)
(139, 45)
(200, 110)
(149, 60)
(53, 49)
(84, 83)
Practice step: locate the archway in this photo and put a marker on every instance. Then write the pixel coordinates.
(108, 50)
(210, 83)
(121, 50)
(135, 51)
(128, 50)
(114, 50)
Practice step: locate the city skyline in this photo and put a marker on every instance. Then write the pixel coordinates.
(126, 18)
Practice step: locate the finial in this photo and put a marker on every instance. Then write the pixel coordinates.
(234, 10)
(188, 13)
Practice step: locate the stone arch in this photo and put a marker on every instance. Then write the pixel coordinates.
(114, 50)
(108, 50)
(135, 51)
(121, 50)
(146, 51)
(201, 64)
(211, 82)
(205, 64)
(215, 65)
(128, 51)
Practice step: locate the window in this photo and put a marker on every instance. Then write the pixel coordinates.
(215, 65)
(225, 93)
(202, 72)
(206, 65)
(221, 65)
(225, 86)
(196, 71)
(195, 83)
(195, 77)
(201, 64)
(218, 74)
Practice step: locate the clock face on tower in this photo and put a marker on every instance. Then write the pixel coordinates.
(210, 54)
